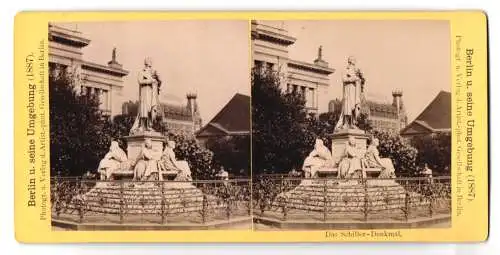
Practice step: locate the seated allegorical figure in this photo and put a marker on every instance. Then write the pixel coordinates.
(168, 162)
(350, 163)
(372, 159)
(146, 165)
(115, 159)
(320, 157)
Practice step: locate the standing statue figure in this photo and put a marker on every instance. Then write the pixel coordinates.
(353, 87)
(113, 55)
(149, 90)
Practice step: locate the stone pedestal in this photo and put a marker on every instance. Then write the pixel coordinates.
(136, 142)
(339, 140)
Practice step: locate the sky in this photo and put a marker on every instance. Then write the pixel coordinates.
(410, 55)
(211, 57)
(208, 57)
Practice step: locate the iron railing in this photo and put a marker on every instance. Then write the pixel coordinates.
(400, 199)
(154, 202)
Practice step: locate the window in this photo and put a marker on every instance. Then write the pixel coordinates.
(259, 65)
(269, 66)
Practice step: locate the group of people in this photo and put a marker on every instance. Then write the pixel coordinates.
(351, 164)
(149, 165)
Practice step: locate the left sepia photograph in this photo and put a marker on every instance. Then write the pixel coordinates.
(150, 125)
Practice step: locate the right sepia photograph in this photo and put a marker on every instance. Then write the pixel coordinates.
(351, 124)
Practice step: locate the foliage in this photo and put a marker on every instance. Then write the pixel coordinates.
(78, 131)
(323, 126)
(120, 127)
(435, 151)
(402, 154)
(231, 152)
(280, 135)
(199, 158)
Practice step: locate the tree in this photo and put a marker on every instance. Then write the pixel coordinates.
(199, 159)
(78, 131)
(231, 152)
(280, 135)
(435, 151)
(120, 127)
(402, 154)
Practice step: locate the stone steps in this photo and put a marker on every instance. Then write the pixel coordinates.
(145, 200)
(348, 199)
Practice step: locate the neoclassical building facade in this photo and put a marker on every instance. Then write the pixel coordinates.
(270, 52)
(103, 80)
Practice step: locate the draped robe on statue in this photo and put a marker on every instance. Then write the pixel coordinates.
(319, 158)
(115, 159)
(149, 84)
(350, 91)
(372, 159)
(146, 93)
(168, 162)
(146, 166)
(350, 163)
(351, 97)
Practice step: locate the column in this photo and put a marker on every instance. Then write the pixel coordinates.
(312, 97)
(108, 100)
(306, 97)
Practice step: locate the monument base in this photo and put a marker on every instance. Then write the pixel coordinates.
(349, 195)
(340, 138)
(136, 141)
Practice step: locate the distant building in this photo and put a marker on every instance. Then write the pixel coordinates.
(232, 120)
(389, 117)
(435, 118)
(181, 119)
(66, 57)
(270, 52)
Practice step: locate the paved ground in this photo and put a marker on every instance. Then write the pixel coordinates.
(241, 226)
(262, 227)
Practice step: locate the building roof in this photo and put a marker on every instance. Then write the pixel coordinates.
(233, 119)
(382, 108)
(170, 111)
(177, 112)
(67, 36)
(271, 34)
(316, 68)
(436, 117)
(111, 70)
